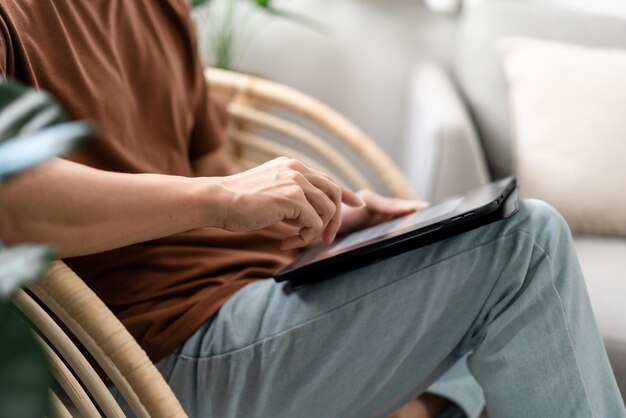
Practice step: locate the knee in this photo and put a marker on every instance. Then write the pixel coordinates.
(541, 217)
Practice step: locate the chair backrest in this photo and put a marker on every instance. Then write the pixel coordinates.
(255, 107)
(270, 119)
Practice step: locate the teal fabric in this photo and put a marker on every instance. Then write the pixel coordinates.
(459, 386)
(509, 295)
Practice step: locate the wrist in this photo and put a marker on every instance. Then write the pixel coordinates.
(209, 202)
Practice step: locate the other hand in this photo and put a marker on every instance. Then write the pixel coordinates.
(377, 209)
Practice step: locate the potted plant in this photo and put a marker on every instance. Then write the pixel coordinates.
(230, 21)
(31, 132)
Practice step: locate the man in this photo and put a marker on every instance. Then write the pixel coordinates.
(174, 241)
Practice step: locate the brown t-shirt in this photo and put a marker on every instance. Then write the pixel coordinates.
(132, 67)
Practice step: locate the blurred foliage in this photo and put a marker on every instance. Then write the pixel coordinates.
(233, 23)
(25, 378)
(31, 132)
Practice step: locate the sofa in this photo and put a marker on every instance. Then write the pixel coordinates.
(459, 131)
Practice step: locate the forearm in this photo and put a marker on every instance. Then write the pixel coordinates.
(84, 210)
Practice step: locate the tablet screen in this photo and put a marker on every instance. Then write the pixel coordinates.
(398, 225)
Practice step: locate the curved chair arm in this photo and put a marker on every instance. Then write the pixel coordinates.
(241, 90)
(106, 339)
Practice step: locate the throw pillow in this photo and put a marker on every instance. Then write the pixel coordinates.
(568, 114)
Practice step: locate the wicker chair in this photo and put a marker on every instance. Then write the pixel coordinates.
(298, 126)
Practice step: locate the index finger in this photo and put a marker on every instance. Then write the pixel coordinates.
(348, 197)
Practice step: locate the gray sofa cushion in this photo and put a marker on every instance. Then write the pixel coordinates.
(603, 262)
(478, 68)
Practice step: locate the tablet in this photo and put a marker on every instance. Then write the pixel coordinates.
(453, 216)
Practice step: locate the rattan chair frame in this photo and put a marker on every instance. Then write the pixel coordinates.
(72, 302)
(251, 102)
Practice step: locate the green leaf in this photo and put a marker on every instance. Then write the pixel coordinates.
(196, 3)
(24, 110)
(26, 138)
(21, 265)
(32, 149)
(30, 133)
(301, 19)
(24, 374)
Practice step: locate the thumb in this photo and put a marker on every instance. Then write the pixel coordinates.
(389, 205)
(351, 199)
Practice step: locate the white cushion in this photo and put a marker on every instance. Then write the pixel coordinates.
(569, 130)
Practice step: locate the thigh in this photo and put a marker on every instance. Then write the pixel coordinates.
(360, 344)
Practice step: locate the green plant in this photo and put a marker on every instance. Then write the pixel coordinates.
(31, 132)
(235, 20)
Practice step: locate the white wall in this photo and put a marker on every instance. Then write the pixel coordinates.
(360, 67)
(608, 7)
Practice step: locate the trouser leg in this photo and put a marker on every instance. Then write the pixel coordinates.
(363, 343)
(461, 388)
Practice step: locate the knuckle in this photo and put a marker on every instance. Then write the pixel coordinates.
(293, 163)
(291, 191)
(319, 224)
(293, 178)
(296, 176)
(295, 192)
(332, 210)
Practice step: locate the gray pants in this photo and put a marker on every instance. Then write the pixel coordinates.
(363, 343)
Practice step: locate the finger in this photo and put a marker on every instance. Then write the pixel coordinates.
(322, 204)
(351, 199)
(319, 189)
(330, 233)
(318, 192)
(348, 197)
(392, 206)
(311, 226)
(334, 192)
(284, 228)
(373, 201)
(378, 218)
(291, 223)
(403, 206)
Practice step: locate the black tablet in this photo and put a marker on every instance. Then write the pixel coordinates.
(453, 216)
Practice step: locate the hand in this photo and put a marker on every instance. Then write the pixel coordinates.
(377, 209)
(285, 190)
(426, 406)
